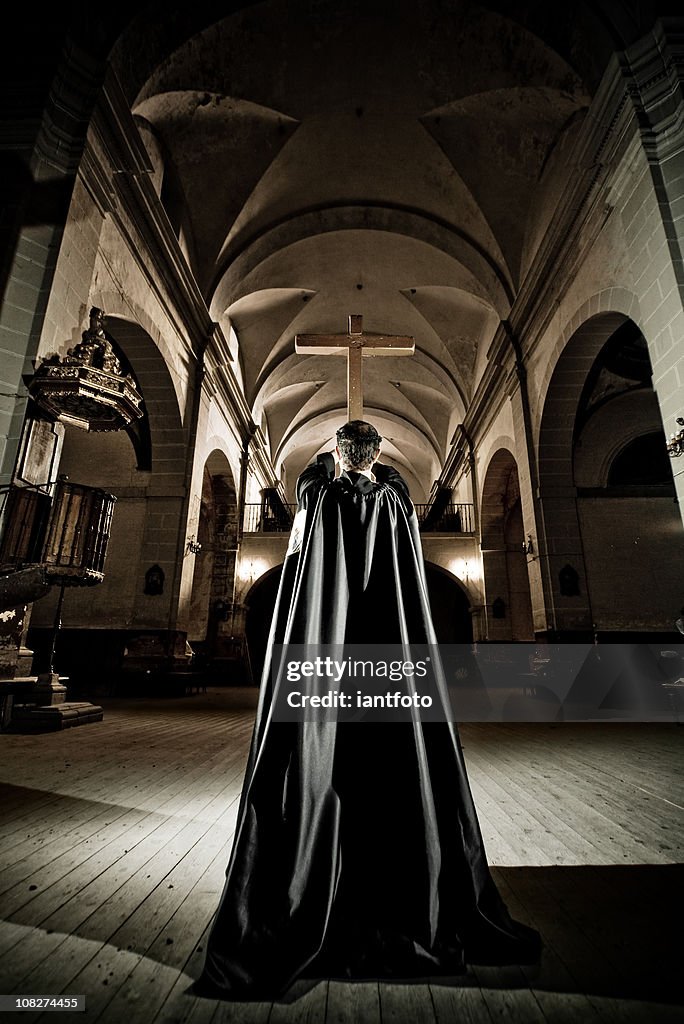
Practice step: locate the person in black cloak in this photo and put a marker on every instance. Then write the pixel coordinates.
(357, 849)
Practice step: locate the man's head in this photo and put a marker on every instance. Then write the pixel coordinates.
(358, 443)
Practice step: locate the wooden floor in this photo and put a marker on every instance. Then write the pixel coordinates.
(115, 838)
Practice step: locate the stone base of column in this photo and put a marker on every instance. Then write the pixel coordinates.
(41, 706)
(49, 690)
(53, 718)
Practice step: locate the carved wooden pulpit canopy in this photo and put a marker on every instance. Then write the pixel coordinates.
(88, 387)
(356, 343)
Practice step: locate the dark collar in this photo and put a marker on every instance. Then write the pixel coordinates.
(359, 481)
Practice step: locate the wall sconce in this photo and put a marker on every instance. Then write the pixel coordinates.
(193, 546)
(675, 446)
(528, 546)
(250, 570)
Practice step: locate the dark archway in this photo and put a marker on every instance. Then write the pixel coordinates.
(260, 602)
(449, 602)
(450, 606)
(507, 586)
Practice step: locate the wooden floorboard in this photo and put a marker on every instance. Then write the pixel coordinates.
(115, 839)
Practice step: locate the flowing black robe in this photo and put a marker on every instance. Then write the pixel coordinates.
(357, 850)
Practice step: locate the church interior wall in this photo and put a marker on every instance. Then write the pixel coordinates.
(462, 558)
(203, 569)
(526, 575)
(215, 456)
(110, 256)
(110, 274)
(629, 269)
(500, 433)
(511, 578)
(253, 488)
(154, 151)
(633, 544)
(67, 308)
(107, 461)
(577, 525)
(634, 554)
(505, 565)
(655, 281)
(121, 288)
(258, 554)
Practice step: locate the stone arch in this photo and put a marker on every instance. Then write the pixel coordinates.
(141, 527)
(131, 313)
(450, 601)
(211, 614)
(569, 367)
(506, 579)
(451, 605)
(260, 602)
(567, 370)
(94, 619)
(588, 528)
(499, 465)
(610, 431)
(615, 305)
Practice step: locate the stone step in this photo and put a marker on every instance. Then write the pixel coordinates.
(53, 717)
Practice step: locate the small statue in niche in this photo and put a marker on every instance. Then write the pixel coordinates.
(568, 581)
(498, 608)
(154, 580)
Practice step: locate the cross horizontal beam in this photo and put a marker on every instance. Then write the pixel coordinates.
(339, 344)
(355, 344)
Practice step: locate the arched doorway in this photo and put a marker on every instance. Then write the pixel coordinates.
(450, 606)
(140, 466)
(260, 602)
(209, 625)
(612, 526)
(507, 588)
(448, 600)
(94, 619)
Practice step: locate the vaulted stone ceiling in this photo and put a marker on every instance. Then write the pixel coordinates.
(400, 161)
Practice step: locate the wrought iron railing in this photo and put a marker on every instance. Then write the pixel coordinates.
(456, 517)
(263, 519)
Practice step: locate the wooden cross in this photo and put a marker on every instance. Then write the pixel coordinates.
(356, 344)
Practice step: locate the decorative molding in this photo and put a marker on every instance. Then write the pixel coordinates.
(60, 138)
(117, 165)
(653, 69)
(97, 182)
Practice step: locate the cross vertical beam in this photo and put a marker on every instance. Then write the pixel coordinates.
(355, 368)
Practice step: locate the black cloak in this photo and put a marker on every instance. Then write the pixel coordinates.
(357, 850)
